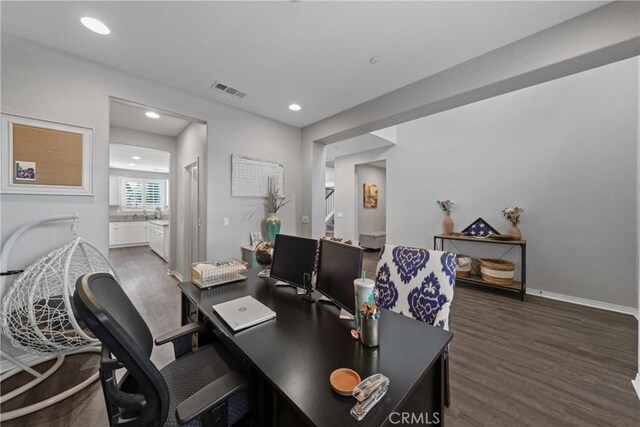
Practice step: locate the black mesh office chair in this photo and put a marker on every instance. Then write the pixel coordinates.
(199, 388)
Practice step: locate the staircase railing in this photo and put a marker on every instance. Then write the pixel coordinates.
(330, 206)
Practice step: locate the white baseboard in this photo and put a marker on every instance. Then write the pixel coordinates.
(177, 275)
(584, 301)
(636, 384)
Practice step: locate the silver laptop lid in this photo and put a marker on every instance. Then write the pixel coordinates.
(243, 312)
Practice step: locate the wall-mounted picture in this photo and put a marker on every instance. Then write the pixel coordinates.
(370, 193)
(25, 171)
(42, 157)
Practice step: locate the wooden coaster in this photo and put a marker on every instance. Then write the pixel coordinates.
(344, 380)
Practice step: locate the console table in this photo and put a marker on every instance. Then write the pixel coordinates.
(516, 286)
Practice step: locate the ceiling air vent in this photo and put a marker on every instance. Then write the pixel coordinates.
(219, 86)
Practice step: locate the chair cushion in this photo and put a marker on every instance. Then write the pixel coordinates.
(194, 371)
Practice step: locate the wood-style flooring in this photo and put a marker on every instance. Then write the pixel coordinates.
(534, 363)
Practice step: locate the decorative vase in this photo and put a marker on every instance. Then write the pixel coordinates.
(272, 223)
(447, 224)
(515, 232)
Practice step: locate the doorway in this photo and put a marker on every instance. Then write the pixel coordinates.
(161, 207)
(370, 221)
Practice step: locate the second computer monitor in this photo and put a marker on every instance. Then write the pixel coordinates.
(293, 257)
(338, 267)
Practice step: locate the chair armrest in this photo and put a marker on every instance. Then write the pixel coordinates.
(183, 331)
(210, 396)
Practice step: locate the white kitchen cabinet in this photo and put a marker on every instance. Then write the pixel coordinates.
(122, 233)
(112, 233)
(114, 190)
(138, 232)
(159, 238)
(128, 233)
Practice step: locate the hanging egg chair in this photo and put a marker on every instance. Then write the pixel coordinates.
(37, 310)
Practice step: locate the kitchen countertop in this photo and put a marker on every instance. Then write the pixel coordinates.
(131, 218)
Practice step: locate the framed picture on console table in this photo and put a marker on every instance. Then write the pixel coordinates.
(47, 158)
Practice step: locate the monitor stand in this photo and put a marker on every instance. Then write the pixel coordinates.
(281, 283)
(345, 315)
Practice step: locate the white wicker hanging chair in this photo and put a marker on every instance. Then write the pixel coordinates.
(37, 312)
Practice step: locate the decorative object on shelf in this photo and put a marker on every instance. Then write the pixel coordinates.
(273, 204)
(256, 237)
(513, 216)
(497, 271)
(479, 228)
(370, 196)
(42, 157)
(463, 266)
(447, 222)
(264, 256)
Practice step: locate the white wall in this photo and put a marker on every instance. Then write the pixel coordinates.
(330, 180)
(564, 150)
(126, 136)
(43, 83)
(370, 219)
(190, 147)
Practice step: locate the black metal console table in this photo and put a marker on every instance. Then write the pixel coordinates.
(516, 286)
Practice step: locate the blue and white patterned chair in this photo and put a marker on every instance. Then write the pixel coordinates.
(418, 283)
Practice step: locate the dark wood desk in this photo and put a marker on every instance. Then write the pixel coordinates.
(297, 351)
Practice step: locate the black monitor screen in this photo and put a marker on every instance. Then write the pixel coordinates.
(292, 258)
(338, 267)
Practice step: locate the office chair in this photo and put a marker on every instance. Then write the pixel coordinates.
(316, 261)
(418, 283)
(199, 388)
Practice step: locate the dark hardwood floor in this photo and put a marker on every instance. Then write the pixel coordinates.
(539, 362)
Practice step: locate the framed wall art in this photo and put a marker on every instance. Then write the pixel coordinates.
(370, 193)
(43, 157)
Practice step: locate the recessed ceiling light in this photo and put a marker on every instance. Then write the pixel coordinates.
(136, 157)
(94, 25)
(295, 107)
(132, 164)
(374, 59)
(152, 115)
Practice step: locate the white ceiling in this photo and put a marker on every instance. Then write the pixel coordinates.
(151, 160)
(128, 116)
(381, 164)
(315, 54)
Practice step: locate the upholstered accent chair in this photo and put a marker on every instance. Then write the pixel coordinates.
(418, 283)
(201, 387)
(351, 242)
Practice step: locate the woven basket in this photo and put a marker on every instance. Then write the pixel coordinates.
(497, 271)
(463, 267)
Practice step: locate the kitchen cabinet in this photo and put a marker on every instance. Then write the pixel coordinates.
(128, 233)
(138, 232)
(112, 233)
(159, 238)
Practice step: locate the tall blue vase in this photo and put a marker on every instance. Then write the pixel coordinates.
(272, 223)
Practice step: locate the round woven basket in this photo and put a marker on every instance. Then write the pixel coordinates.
(463, 266)
(497, 271)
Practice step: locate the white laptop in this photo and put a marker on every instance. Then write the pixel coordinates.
(243, 312)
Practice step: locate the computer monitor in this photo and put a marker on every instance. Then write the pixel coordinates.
(293, 257)
(338, 267)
